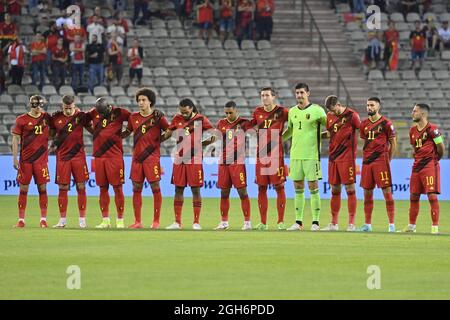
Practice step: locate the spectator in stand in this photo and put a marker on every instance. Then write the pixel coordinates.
(140, 5)
(358, 6)
(444, 36)
(407, 6)
(373, 51)
(115, 59)
(117, 5)
(95, 28)
(244, 21)
(97, 16)
(16, 53)
(391, 40)
(432, 37)
(51, 35)
(2, 72)
(8, 32)
(185, 10)
(264, 21)
(60, 57)
(70, 32)
(77, 54)
(381, 4)
(205, 19)
(95, 53)
(38, 49)
(119, 30)
(63, 20)
(14, 9)
(135, 56)
(226, 19)
(418, 45)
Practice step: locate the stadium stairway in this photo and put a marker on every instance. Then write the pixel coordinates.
(299, 58)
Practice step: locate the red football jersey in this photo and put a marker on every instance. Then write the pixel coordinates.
(343, 137)
(270, 129)
(189, 137)
(107, 132)
(233, 140)
(425, 149)
(69, 135)
(34, 133)
(376, 135)
(147, 136)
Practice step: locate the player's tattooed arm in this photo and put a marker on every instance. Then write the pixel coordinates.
(166, 135)
(440, 150)
(208, 141)
(393, 147)
(125, 133)
(15, 150)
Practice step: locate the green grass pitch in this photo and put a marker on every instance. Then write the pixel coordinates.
(207, 264)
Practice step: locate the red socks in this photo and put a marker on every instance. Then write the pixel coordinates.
(137, 205)
(281, 203)
(178, 208)
(434, 204)
(224, 207)
(62, 202)
(245, 205)
(82, 201)
(104, 201)
(119, 200)
(368, 208)
(352, 201)
(335, 204)
(43, 202)
(414, 206)
(390, 206)
(263, 203)
(197, 204)
(22, 203)
(157, 203)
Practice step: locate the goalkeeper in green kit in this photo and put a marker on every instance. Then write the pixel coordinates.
(304, 126)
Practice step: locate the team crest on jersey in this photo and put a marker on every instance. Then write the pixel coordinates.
(308, 116)
(380, 129)
(77, 120)
(424, 137)
(344, 120)
(152, 122)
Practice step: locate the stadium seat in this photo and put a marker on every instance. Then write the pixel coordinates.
(19, 109)
(430, 15)
(412, 17)
(444, 16)
(240, 64)
(178, 82)
(160, 33)
(234, 93)
(425, 75)
(243, 73)
(164, 43)
(247, 83)
(250, 93)
(221, 102)
(172, 102)
(407, 75)
(177, 33)
(200, 92)
(248, 45)
(197, 43)
(171, 62)
(203, 53)
(218, 54)
(9, 119)
(207, 102)
(160, 72)
(3, 129)
(213, 82)
(167, 92)
(22, 99)
(124, 101)
(229, 83)
(66, 90)
(436, 95)
(100, 91)
(89, 100)
(397, 17)
(235, 54)
(196, 82)
(183, 92)
(174, 24)
(217, 93)
(14, 89)
(210, 72)
(6, 99)
(285, 93)
(54, 99)
(445, 55)
(176, 72)
(162, 82)
(260, 73)
(117, 91)
(48, 90)
(227, 73)
(188, 63)
(280, 84)
(4, 109)
(263, 45)
(214, 44)
(263, 83)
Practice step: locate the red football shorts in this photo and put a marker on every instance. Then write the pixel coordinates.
(427, 180)
(341, 172)
(37, 170)
(272, 173)
(232, 175)
(76, 167)
(150, 170)
(184, 175)
(377, 173)
(109, 171)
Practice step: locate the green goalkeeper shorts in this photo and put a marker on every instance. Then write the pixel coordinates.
(309, 170)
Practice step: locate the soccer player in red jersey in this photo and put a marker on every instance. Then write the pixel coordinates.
(270, 119)
(342, 124)
(232, 164)
(428, 145)
(146, 125)
(107, 121)
(67, 126)
(188, 126)
(380, 143)
(31, 131)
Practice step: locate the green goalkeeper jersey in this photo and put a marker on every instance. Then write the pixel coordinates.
(304, 125)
